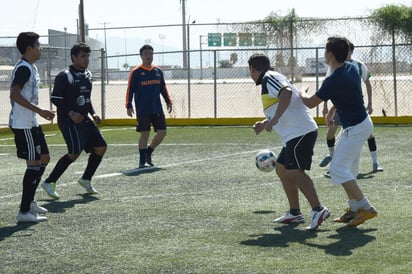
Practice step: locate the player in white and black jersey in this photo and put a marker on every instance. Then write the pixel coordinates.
(29, 138)
(71, 94)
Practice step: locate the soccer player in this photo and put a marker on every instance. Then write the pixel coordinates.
(332, 128)
(30, 141)
(146, 83)
(290, 119)
(72, 97)
(343, 88)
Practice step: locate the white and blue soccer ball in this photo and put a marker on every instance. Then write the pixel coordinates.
(266, 160)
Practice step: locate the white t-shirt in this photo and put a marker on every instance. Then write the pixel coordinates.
(296, 120)
(21, 117)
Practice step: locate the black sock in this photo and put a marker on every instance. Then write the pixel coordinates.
(59, 169)
(92, 165)
(142, 153)
(294, 211)
(29, 187)
(150, 150)
(331, 142)
(372, 144)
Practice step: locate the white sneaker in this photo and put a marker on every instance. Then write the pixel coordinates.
(30, 217)
(317, 217)
(50, 189)
(35, 208)
(288, 218)
(88, 186)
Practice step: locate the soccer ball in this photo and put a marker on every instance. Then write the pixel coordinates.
(265, 160)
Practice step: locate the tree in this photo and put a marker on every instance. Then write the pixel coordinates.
(394, 20)
(233, 58)
(282, 32)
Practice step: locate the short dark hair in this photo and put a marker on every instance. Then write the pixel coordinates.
(146, 46)
(339, 46)
(351, 46)
(77, 48)
(25, 40)
(259, 61)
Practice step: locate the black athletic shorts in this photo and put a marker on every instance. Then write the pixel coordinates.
(84, 136)
(144, 122)
(298, 152)
(30, 143)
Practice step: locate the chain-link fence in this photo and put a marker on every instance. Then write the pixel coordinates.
(208, 78)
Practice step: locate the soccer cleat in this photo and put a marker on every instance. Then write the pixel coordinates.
(288, 218)
(362, 215)
(88, 186)
(29, 217)
(317, 217)
(325, 161)
(376, 167)
(35, 208)
(346, 217)
(50, 188)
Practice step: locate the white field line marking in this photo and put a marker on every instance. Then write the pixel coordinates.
(107, 175)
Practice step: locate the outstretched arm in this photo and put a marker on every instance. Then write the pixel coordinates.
(310, 101)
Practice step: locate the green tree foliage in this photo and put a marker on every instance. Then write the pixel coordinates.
(394, 19)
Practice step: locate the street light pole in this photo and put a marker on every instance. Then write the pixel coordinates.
(65, 46)
(162, 37)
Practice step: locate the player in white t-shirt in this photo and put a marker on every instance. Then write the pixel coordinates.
(290, 119)
(30, 141)
(332, 128)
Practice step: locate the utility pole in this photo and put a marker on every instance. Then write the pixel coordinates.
(183, 2)
(82, 37)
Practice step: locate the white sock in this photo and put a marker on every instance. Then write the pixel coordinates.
(374, 156)
(353, 204)
(364, 204)
(331, 151)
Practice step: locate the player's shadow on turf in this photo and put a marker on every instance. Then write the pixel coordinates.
(288, 234)
(138, 171)
(8, 231)
(368, 175)
(57, 206)
(349, 238)
(264, 212)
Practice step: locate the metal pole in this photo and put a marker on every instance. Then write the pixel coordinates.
(395, 95)
(201, 61)
(188, 71)
(82, 37)
(105, 48)
(184, 32)
(103, 89)
(215, 81)
(65, 46)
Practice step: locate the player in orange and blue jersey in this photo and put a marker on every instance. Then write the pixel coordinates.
(146, 83)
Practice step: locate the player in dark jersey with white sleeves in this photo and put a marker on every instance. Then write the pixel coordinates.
(72, 96)
(28, 135)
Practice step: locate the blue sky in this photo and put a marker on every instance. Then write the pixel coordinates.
(39, 15)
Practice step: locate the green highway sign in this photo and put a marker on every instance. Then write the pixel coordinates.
(229, 39)
(214, 39)
(260, 39)
(245, 39)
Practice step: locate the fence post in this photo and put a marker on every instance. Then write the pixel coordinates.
(102, 82)
(215, 83)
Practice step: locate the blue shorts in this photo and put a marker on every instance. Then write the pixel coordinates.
(84, 136)
(144, 122)
(298, 152)
(30, 143)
